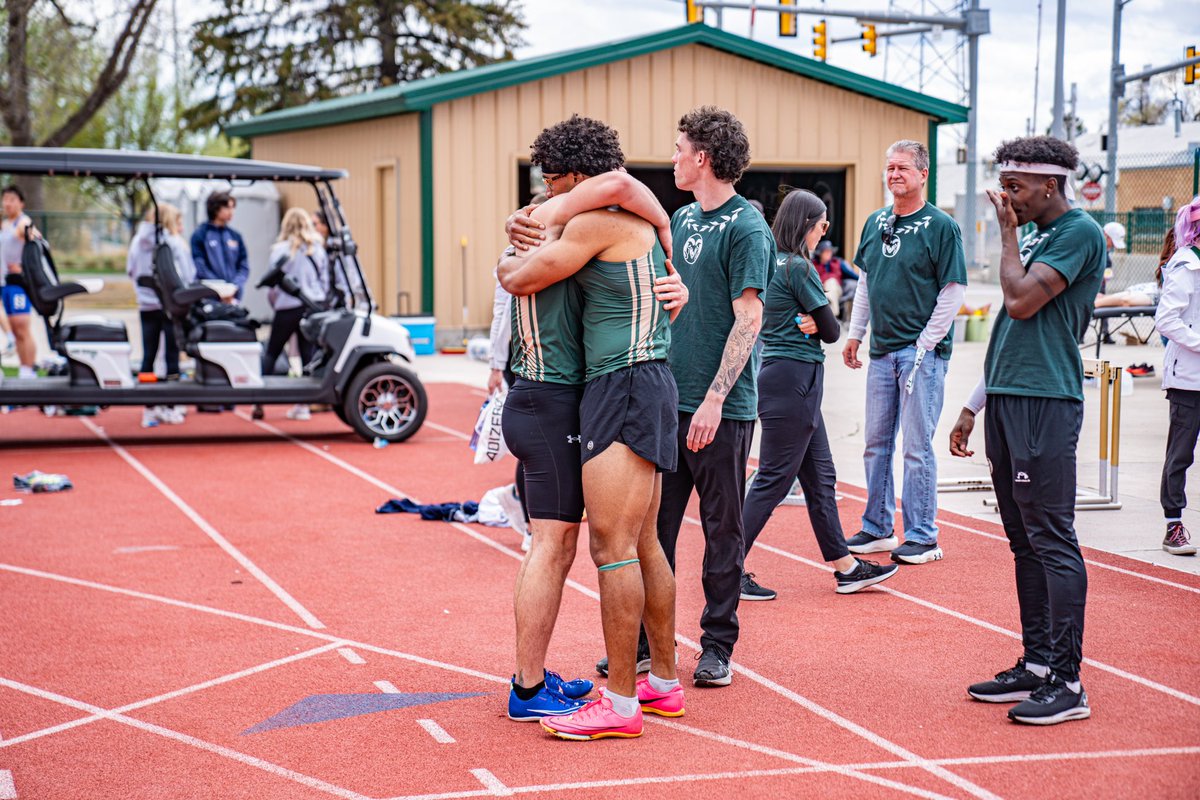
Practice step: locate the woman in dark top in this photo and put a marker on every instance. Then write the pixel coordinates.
(790, 387)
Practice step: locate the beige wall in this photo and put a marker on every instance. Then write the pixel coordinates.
(792, 121)
(479, 142)
(381, 199)
(1146, 188)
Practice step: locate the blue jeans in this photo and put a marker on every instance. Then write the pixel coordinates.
(889, 409)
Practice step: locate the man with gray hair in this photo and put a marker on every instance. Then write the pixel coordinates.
(911, 287)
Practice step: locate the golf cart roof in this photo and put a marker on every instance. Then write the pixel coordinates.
(85, 163)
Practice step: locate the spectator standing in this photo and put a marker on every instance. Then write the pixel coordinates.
(17, 307)
(1178, 320)
(140, 263)
(300, 249)
(1032, 387)
(834, 273)
(794, 443)
(218, 251)
(913, 278)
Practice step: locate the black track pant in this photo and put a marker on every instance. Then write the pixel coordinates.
(286, 323)
(1181, 449)
(1031, 444)
(155, 324)
(794, 445)
(718, 474)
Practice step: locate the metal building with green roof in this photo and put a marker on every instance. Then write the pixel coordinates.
(436, 165)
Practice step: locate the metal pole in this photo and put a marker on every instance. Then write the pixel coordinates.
(969, 211)
(1073, 126)
(1115, 89)
(1056, 123)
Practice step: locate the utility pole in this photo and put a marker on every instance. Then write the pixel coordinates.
(1072, 126)
(970, 213)
(1116, 91)
(1056, 122)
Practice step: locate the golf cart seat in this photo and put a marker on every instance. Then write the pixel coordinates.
(190, 305)
(46, 295)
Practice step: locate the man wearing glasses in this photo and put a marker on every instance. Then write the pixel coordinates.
(911, 257)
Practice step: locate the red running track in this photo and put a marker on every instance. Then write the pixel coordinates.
(200, 580)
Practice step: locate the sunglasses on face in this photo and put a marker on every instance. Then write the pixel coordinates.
(889, 229)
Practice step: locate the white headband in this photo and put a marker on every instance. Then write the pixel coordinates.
(1041, 169)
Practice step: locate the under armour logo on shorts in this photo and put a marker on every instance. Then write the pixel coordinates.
(574, 439)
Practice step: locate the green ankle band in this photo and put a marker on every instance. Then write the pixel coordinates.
(617, 565)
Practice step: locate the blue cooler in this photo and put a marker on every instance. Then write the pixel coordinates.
(420, 332)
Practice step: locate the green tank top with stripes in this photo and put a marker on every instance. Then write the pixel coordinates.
(547, 334)
(623, 323)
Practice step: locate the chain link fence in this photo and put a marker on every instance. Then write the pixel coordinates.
(84, 241)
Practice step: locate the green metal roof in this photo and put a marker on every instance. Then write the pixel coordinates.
(423, 94)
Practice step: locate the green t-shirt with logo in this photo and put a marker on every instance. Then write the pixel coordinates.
(795, 289)
(623, 322)
(906, 274)
(547, 334)
(719, 254)
(1039, 356)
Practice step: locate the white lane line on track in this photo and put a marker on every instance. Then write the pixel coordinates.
(387, 687)
(146, 548)
(351, 656)
(761, 773)
(1129, 676)
(268, 623)
(233, 676)
(495, 787)
(443, 429)
(392, 490)
(8, 789)
(309, 619)
(436, 731)
(258, 763)
(849, 772)
(828, 715)
(501, 680)
(1088, 561)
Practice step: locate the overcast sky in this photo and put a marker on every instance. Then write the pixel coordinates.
(1153, 32)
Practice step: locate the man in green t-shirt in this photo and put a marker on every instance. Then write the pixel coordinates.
(725, 253)
(910, 289)
(1032, 386)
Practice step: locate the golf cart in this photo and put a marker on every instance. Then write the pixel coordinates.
(362, 365)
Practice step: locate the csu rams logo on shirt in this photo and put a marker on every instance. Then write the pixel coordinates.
(692, 248)
(890, 248)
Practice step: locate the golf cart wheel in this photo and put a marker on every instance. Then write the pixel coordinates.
(385, 401)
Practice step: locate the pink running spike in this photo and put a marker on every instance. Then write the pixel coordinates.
(669, 704)
(596, 720)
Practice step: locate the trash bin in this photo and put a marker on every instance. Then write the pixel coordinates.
(977, 328)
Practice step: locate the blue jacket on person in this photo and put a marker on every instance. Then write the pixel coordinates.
(219, 253)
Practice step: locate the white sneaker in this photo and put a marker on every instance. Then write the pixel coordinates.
(149, 418)
(510, 504)
(170, 415)
(299, 412)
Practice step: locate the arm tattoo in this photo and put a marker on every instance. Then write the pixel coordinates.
(1046, 287)
(738, 347)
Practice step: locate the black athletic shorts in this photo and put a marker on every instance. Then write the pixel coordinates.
(637, 406)
(541, 429)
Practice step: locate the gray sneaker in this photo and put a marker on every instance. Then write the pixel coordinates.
(643, 659)
(752, 590)
(713, 669)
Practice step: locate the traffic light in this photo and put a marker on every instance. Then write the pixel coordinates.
(693, 11)
(787, 22)
(1191, 71)
(869, 36)
(819, 40)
